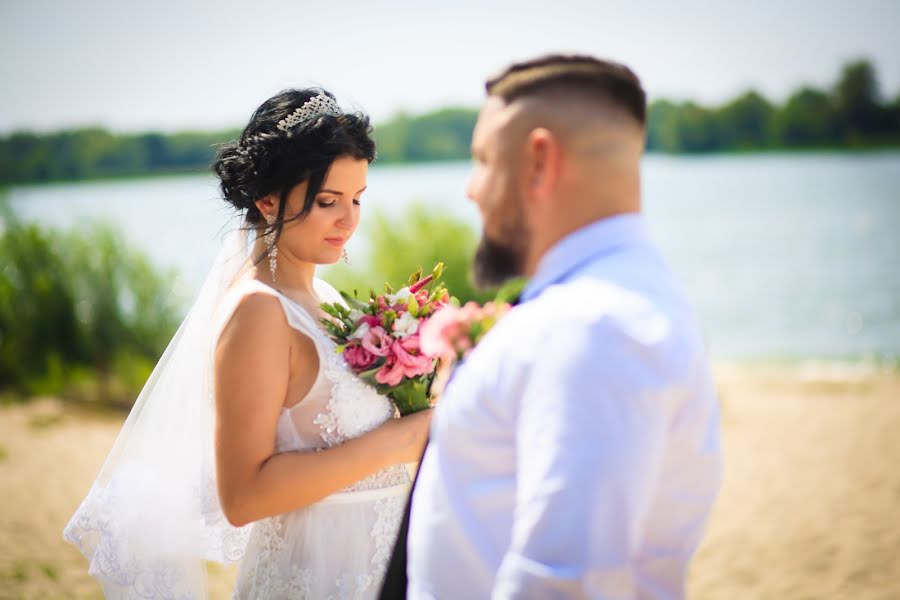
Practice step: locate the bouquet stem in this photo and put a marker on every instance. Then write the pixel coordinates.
(410, 397)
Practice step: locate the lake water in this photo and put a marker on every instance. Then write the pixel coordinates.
(786, 257)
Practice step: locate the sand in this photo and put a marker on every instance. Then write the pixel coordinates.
(810, 506)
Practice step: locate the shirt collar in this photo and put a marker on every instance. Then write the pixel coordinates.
(599, 237)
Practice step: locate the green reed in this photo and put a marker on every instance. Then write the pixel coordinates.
(83, 315)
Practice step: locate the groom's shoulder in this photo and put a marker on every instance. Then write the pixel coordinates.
(584, 302)
(599, 311)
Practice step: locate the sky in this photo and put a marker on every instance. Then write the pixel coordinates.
(172, 65)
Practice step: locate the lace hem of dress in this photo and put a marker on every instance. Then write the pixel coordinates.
(267, 579)
(97, 530)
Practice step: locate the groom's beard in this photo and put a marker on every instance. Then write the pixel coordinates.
(495, 262)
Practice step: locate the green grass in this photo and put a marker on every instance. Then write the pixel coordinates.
(41, 422)
(19, 571)
(50, 571)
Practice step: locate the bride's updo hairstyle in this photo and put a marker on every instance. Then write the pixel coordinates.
(271, 159)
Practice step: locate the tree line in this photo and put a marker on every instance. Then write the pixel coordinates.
(850, 114)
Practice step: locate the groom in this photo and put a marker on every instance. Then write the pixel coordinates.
(576, 452)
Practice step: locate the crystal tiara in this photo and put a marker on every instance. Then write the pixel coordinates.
(320, 104)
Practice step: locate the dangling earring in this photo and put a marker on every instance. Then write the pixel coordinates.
(270, 245)
(345, 256)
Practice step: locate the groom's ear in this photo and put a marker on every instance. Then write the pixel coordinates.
(543, 161)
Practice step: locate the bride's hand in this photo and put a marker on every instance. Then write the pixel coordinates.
(405, 438)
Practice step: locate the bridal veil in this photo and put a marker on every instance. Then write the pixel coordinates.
(152, 516)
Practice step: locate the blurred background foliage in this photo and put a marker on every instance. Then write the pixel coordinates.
(82, 314)
(851, 114)
(399, 245)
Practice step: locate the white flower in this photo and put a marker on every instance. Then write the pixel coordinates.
(356, 315)
(359, 333)
(406, 325)
(398, 298)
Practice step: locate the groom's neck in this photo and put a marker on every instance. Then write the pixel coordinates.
(579, 206)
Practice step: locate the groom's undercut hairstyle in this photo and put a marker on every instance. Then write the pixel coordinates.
(590, 78)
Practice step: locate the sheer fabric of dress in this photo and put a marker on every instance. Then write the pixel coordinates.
(152, 516)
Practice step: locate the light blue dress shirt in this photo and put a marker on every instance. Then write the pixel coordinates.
(576, 452)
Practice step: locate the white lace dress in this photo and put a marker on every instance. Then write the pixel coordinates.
(338, 547)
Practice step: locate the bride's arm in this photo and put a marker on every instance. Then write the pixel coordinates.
(251, 373)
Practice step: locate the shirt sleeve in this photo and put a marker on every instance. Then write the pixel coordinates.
(590, 430)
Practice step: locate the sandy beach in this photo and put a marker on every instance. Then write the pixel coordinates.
(810, 506)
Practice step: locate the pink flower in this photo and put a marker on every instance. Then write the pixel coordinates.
(420, 284)
(390, 374)
(463, 344)
(404, 360)
(471, 311)
(442, 300)
(437, 331)
(370, 320)
(422, 297)
(407, 354)
(377, 341)
(358, 357)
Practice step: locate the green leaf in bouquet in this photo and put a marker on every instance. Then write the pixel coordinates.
(334, 329)
(428, 379)
(511, 290)
(416, 276)
(476, 330)
(369, 374)
(437, 271)
(411, 396)
(354, 303)
(412, 305)
(388, 289)
(437, 293)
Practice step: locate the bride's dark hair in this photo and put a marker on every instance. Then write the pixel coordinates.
(267, 160)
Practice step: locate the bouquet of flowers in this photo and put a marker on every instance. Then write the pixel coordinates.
(453, 333)
(380, 337)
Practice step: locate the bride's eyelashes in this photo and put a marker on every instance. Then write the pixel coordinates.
(330, 203)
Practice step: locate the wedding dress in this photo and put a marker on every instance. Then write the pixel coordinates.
(152, 517)
(338, 547)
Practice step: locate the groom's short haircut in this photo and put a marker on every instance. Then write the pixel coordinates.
(592, 78)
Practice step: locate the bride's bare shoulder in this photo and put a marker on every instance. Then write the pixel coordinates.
(258, 320)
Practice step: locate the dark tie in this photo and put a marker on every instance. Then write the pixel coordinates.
(394, 585)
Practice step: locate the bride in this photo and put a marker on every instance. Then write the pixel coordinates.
(252, 441)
